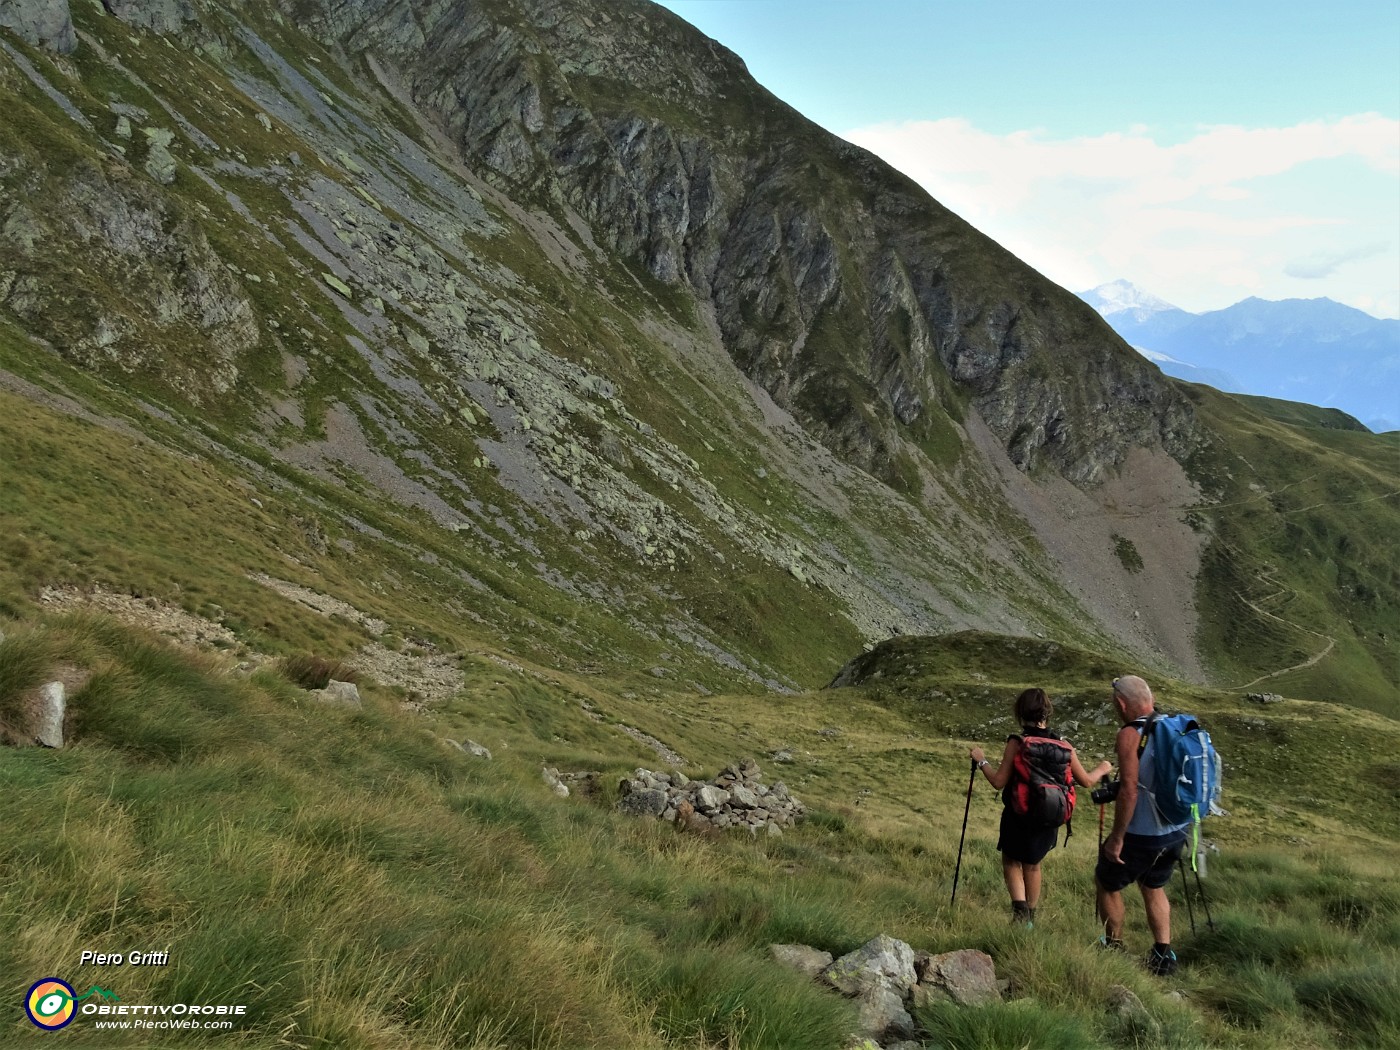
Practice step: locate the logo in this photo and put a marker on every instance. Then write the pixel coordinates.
(50, 1003)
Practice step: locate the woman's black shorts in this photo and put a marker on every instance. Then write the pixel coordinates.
(1024, 842)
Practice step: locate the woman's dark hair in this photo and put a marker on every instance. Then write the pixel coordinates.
(1033, 707)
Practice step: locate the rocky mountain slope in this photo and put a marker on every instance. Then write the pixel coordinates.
(542, 323)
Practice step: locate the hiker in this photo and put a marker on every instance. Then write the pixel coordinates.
(1142, 847)
(1026, 837)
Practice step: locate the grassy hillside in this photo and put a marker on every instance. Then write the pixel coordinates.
(355, 882)
(1299, 572)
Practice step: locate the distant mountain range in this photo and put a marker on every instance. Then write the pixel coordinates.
(1312, 350)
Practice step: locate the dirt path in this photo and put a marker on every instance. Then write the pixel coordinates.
(1331, 642)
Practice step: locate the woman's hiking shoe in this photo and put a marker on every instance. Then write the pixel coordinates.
(1113, 946)
(1162, 963)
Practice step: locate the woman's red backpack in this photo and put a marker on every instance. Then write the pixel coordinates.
(1042, 782)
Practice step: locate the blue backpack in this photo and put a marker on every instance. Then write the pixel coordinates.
(1186, 765)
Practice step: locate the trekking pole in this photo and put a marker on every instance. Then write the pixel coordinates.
(1210, 923)
(1186, 889)
(966, 810)
(1095, 902)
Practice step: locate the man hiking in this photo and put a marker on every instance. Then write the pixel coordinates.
(1142, 847)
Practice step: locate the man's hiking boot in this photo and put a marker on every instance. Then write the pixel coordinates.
(1112, 946)
(1162, 963)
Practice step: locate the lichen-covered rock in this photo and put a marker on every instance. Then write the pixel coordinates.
(967, 976)
(881, 962)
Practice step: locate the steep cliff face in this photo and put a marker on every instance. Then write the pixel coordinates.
(838, 285)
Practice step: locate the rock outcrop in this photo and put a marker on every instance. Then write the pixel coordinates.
(45, 23)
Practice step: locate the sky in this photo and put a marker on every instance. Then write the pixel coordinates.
(1204, 151)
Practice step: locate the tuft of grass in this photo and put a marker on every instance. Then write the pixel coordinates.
(1362, 1003)
(315, 672)
(1021, 1023)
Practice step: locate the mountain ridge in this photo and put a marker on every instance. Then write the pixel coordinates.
(603, 318)
(1317, 350)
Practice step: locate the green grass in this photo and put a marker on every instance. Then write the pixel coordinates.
(357, 883)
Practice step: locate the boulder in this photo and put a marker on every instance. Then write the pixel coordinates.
(340, 694)
(551, 777)
(48, 724)
(643, 802)
(967, 976)
(801, 958)
(1128, 1008)
(882, 962)
(471, 747)
(709, 799)
(160, 162)
(882, 1015)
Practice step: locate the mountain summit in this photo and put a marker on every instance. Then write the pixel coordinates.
(1123, 297)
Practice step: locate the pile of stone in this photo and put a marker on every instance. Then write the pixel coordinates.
(1264, 698)
(889, 978)
(737, 798)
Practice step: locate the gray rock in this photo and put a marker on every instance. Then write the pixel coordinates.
(743, 797)
(345, 692)
(801, 957)
(339, 694)
(881, 962)
(708, 798)
(471, 747)
(160, 16)
(49, 715)
(644, 802)
(968, 976)
(882, 1015)
(1125, 1004)
(44, 23)
(160, 162)
(551, 777)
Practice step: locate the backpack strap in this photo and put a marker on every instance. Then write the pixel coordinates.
(1145, 736)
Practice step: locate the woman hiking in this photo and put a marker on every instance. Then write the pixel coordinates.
(1035, 807)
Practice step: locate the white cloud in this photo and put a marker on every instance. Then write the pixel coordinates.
(1229, 212)
(1320, 264)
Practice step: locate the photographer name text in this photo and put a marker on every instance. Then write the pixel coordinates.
(124, 959)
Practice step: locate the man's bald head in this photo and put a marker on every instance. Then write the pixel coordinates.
(1135, 694)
